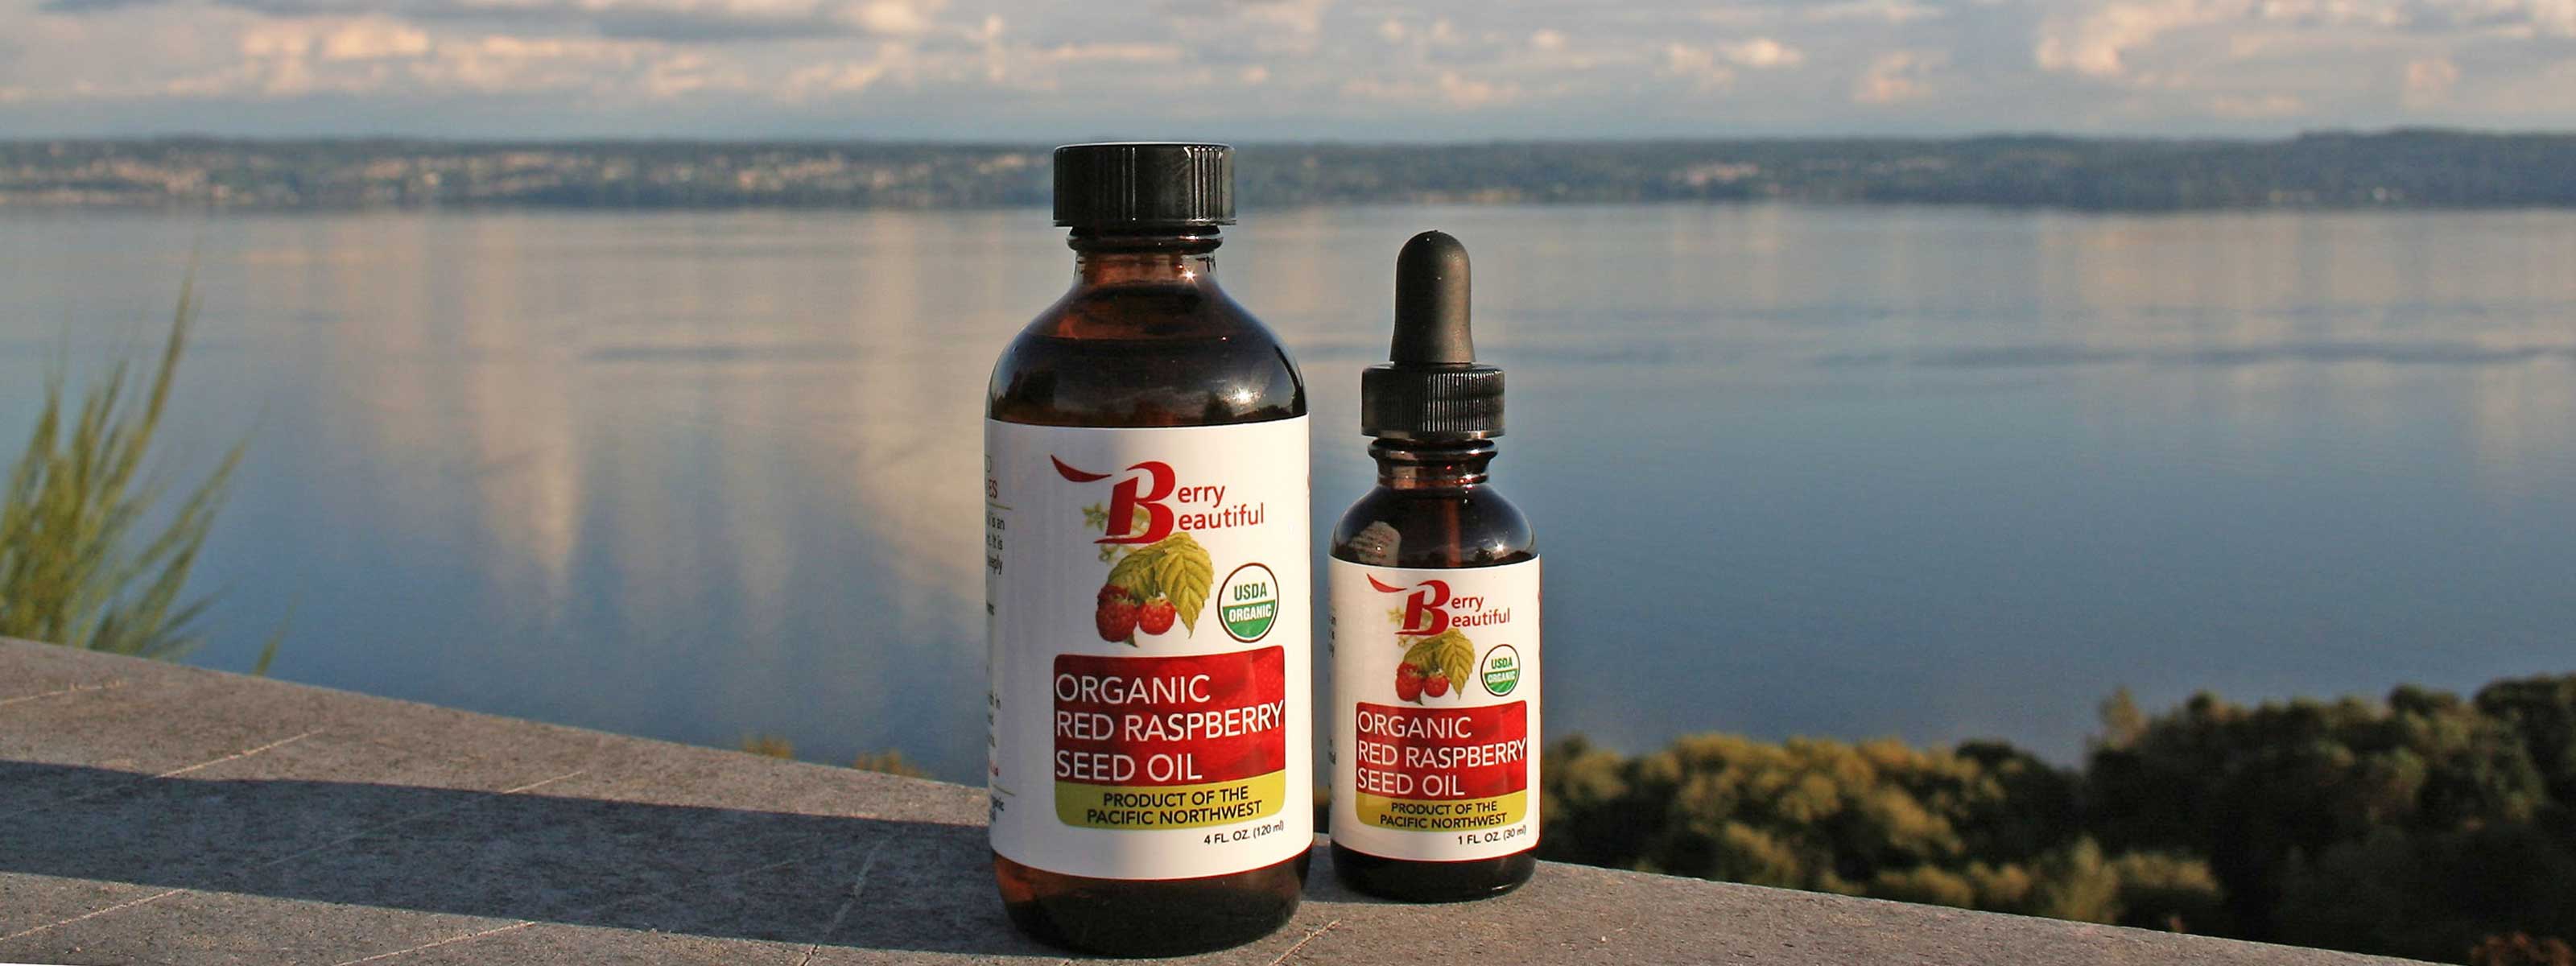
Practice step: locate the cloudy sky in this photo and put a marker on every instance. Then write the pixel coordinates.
(1354, 69)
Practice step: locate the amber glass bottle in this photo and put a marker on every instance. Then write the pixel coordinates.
(1435, 603)
(1148, 566)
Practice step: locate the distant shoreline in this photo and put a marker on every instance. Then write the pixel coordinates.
(2406, 169)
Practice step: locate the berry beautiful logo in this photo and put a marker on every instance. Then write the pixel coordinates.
(1428, 606)
(1425, 607)
(1141, 503)
(1159, 574)
(1436, 652)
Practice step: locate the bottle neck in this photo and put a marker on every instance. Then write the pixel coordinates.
(1174, 257)
(1410, 465)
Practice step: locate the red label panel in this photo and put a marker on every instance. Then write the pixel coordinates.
(1170, 720)
(1443, 753)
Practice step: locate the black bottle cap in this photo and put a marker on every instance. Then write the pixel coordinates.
(1430, 389)
(1144, 185)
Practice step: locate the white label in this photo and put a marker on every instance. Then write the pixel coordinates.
(1151, 661)
(1435, 706)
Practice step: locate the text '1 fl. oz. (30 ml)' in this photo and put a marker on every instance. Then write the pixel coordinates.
(1147, 572)
(1435, 611)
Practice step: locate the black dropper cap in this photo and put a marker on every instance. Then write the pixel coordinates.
(1144, 185)
(1430, 389)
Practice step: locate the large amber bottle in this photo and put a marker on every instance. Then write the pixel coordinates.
(1148, 575)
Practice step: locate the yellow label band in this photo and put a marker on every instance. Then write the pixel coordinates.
(1446, 815)
(1170, 806)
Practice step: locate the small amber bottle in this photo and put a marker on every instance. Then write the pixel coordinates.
(1147, 571)
(1435, 620)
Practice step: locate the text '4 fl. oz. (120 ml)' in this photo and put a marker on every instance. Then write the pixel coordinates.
(1435, 607)
(1146, 553)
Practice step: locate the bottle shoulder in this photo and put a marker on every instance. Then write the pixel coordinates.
(1436, 528)
(1145, 355)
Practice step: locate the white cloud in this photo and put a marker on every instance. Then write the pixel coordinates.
(832, 79)
(1700, 65)
(893, 17)
(1746, 13)
(1124, 53)
(2429, 80)
(1461, 91)
(501, 63)
(2265, 105)
(2556, 16)
(688, 72)
(1762, 52)
(1901, 75)
(2096, 39)
(1890, 11)
(1304, 17)
(1447, 90)
(374, 40)
(1301, 68)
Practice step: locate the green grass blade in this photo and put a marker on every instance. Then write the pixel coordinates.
(76, 567)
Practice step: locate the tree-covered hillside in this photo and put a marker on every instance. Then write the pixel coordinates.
(2393, 169)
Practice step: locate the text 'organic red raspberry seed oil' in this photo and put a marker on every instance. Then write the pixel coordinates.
(1146, 578)
(1435, 620)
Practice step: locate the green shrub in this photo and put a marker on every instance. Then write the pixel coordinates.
(1982, 826)
(2423, 825)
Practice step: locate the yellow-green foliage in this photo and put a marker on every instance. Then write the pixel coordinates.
(1981, 826)
(891, 762)
(77, 566)
(2424, 825)
(2520, 949)
(2417, 826)
(769, 746)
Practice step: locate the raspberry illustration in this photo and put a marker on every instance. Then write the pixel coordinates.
(1161, 584)
(1436, 685)
(1117, 616)
(1156, 616)
(1408, 683)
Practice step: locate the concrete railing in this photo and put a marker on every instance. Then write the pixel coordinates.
(154, 813)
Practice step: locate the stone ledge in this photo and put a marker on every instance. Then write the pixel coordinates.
(154, 813)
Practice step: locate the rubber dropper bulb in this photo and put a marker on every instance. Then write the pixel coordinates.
(1431, 312)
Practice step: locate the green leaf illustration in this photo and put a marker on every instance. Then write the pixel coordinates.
(1183, 573)
(1449, 653)
(1458, 657)
(1422, 652)
(1135, 572)
(1175, 567)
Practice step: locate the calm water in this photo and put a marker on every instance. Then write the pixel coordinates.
(1842, 471)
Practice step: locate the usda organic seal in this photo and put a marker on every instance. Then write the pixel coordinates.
(1502, 670)
(1248, 602)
